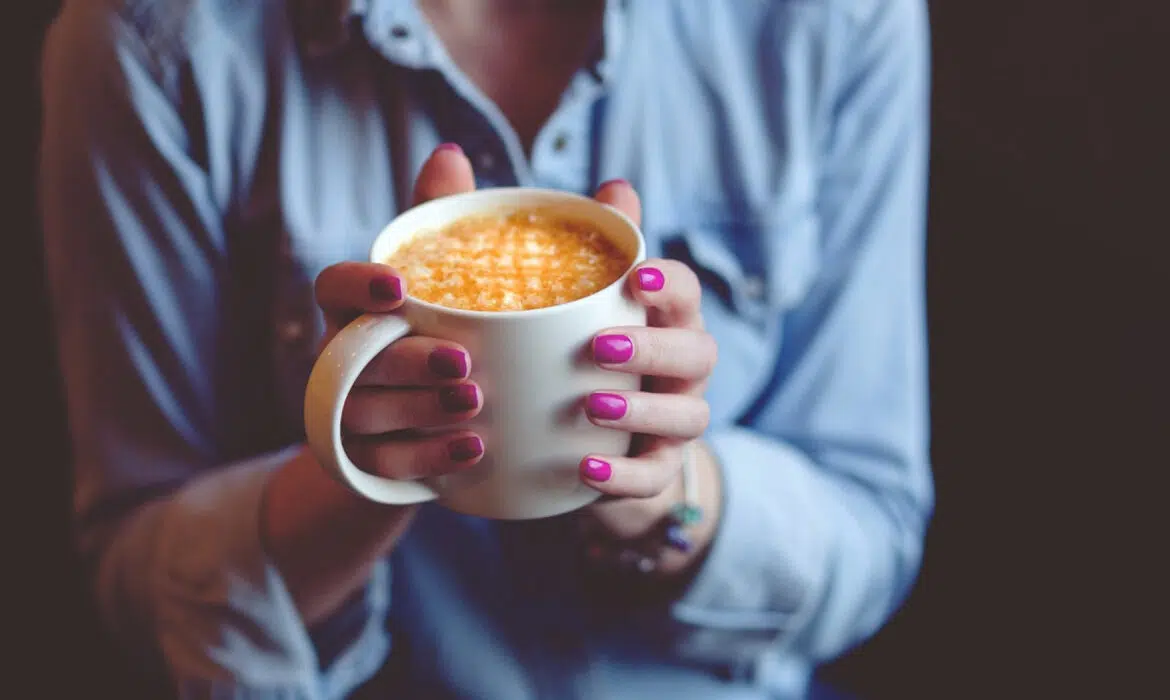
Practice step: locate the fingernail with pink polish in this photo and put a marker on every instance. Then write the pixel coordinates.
(450, 147)
(606, 406)
(596, 469)
(615, 181)
(613, 349)
(465, 448)
(651, 279)
(386, 288)
(459, 399)
(447, 363)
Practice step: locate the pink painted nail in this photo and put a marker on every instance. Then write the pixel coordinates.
(615, 181)
(596, 469)
(451, 147)
(606, 406)
(651, 279)
(447, 363)
(459, 399)
(386, 288)
(465, 448)
(613, 349)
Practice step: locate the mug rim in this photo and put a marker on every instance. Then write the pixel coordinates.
(638, 258)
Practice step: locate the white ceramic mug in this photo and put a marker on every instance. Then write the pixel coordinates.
(534, 368)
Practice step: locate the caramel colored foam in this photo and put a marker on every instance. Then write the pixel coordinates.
(508, 263)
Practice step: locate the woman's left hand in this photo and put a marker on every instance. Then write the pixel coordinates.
(676, 356)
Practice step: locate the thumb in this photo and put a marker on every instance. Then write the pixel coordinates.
(620, 195)
(446, 172)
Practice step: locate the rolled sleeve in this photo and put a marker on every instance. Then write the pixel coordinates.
(172, 435)
(827, 481)
(194, 568)
(766, 559)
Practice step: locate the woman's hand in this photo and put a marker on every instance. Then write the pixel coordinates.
(416, 382)
(323, 537)
(675, 355)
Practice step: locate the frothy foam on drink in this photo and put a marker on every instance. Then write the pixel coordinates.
(509, 263)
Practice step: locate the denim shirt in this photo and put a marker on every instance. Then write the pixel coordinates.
(203, 161)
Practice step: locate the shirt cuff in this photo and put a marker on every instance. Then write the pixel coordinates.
(765, 566)
(225, 621)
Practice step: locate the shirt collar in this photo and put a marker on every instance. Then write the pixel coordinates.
(325, 26)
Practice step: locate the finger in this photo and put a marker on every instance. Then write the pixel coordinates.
(621, 195)
(676, 353)
(375, 411)
(415, 457)
(446, 172)
(632, 477)
(662, 415)
(347, 289)
(672, 292)
(416, 361)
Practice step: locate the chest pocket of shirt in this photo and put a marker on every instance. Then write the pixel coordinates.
(756, 270)
(752, 273)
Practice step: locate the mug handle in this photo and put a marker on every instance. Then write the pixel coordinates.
(332, 378)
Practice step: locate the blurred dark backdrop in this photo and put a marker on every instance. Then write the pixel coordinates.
(1045, 302)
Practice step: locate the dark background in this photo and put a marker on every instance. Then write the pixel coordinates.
(1048, 322)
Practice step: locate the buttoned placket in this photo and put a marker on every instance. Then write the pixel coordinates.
(561, 153)
(401, 34)
(561, 159)
(556, 640)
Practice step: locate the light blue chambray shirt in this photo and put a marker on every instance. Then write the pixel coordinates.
(204, 160)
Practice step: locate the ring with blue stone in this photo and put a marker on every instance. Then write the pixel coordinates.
(671, 533)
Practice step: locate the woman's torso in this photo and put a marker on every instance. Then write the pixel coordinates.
(311, 140)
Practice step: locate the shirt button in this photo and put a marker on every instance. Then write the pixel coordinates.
(753, 287)
(560, 142)
(399, 32)
(292, 331)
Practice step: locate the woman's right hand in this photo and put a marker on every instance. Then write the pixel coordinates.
(322, 536)
(415, 383)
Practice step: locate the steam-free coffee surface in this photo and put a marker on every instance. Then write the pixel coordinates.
(512, 262)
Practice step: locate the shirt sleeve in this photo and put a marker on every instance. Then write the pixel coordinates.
(827, 484)
(167, 501)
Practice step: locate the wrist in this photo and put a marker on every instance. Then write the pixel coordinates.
(664, 537)
(708, 499)
(301, 494)
(322, 537)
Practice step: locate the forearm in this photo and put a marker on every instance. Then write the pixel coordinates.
(322, 537)
(803, 557)
(187, 577)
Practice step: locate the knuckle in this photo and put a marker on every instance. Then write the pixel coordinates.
(353, 415)
(375, 410)
(641, 487)
(648, 479)
(398, 362)
(414, 462)
(329, 282)
(663, 475)
(388, 462)
(703, 417)
(655, 349)
(396, 459)
(676, 269)
(360, 452)
(710, 354)
(321, 284)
